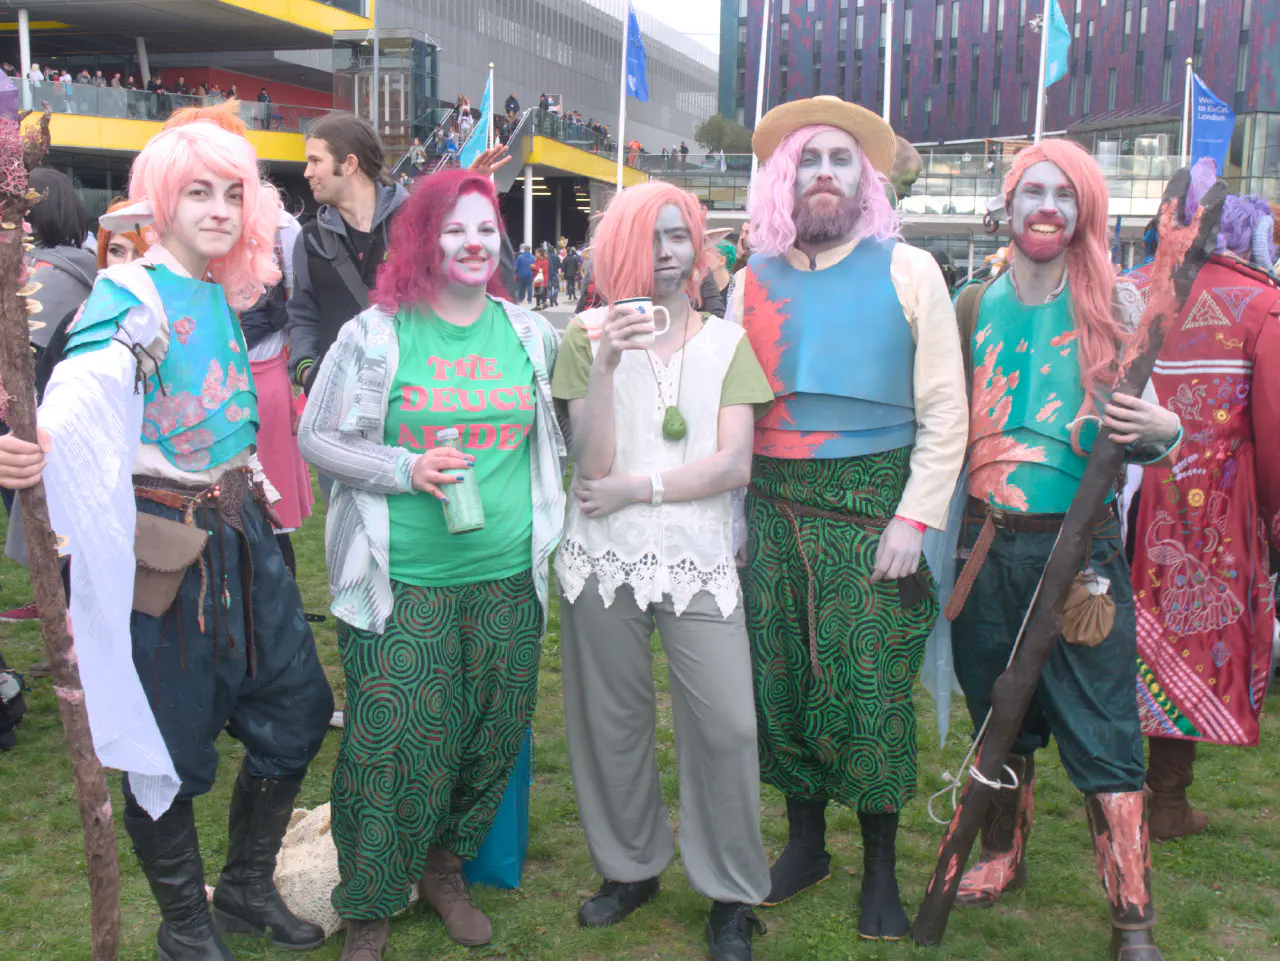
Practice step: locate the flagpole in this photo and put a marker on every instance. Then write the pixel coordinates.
(888, 56)
(1044, 56)
(762, 72)
(622, 91)
(488, 134)
(1186, 116)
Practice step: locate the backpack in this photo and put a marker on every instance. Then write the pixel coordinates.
(12, 705)
(968, 303)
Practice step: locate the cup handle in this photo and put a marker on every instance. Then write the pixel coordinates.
(666, 324)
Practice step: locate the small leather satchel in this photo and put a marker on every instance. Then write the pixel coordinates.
(164, 549)
(1089, 613)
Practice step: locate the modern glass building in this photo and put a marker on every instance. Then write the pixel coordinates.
(964, 71)
(569, 48)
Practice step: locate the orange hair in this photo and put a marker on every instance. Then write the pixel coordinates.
(622, 248)
(105, 235)
(1091, 274)
(225, 115)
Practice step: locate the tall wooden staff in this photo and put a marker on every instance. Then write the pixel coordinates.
(19, 152)
(1181, 253)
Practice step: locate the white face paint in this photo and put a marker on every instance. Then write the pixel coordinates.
(207, 220)
(673, 253)
(1044, 212)
(829, 169)
(471, 241)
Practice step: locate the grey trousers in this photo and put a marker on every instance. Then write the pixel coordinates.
(610, 720)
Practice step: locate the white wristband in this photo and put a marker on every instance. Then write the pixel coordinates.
(655, 479)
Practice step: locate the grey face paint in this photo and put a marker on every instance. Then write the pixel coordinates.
(673, 253)
(828, 174)
(1044, 212)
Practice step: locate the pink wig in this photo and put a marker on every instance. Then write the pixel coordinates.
(174, 158)
(772, 202)
(622, 248)
(1092, 276)
(414, 270)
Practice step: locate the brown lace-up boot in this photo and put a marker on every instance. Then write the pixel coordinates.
(445, 889)
(1119, 827)
(366, 940)
(1170, 771)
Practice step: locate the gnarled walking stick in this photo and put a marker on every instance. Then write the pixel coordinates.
(19, 152)
(1181, 253)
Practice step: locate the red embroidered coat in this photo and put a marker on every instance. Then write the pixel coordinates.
(1201, 574)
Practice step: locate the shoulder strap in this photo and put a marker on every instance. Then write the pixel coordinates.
(336, 252)
(967, 304)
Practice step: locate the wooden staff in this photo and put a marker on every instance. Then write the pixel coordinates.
(1181, 253)
(18, 410)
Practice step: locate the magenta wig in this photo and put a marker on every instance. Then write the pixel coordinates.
(622, 247)
(414, 270)
(772, 202)
(173, 159)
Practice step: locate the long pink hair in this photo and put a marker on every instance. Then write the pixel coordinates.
(414, 270)
(622, 248)
(771, 204)
(174, 158)
(1092, 276)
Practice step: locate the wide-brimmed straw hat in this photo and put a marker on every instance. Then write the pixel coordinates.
(874, 136)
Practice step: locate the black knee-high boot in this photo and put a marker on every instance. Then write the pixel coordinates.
(882, 915)
(246, 900)
(805, 861)
(169, 851)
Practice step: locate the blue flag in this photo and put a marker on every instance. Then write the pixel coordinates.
(479, 138)
(637, 82)
(1058, 46)
(1212, 123)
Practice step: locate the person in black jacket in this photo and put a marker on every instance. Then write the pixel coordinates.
(570, 266)
(512, 107)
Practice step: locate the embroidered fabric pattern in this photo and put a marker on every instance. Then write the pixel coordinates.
(649, 579)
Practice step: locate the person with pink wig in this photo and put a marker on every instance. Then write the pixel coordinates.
(854, 461)
(440, 632)
(1044, 342)
(662, 426)
(187, 621)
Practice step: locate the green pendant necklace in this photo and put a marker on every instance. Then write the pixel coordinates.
(674, 426)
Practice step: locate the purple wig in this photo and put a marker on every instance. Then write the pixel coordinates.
(772, 202)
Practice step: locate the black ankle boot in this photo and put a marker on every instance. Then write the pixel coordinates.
(729, 928)
(882, 914)
(615, 901)
(169, 851)
(246, 900)
(805, 861)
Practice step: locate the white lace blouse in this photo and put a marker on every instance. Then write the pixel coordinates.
(676, 548)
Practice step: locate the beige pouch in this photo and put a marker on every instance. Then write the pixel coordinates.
(1089, 613)
(164, 549)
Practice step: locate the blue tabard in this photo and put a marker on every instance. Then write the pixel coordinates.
(201, 408)
(838, 352)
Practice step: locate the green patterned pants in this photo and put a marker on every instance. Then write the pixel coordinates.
(848, 735)
(437, 707)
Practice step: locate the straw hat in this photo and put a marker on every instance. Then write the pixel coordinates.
(874, 136)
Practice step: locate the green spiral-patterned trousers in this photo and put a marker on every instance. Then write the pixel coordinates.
(848, 735)
(437, 707)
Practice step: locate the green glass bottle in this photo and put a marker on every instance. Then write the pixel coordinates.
(464, 511)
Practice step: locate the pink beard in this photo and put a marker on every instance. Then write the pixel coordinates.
(828, 223)
(1042, 248)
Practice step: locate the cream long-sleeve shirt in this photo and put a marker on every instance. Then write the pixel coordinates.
(941, 404)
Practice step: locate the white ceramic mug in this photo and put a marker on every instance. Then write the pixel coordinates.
(644, 305)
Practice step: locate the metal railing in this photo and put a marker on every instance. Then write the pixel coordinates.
(91, 100)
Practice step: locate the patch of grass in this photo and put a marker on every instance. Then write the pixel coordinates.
(1218, 895)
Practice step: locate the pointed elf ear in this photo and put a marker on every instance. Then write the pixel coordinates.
(716, 235)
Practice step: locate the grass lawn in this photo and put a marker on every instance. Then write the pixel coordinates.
(1218, 895)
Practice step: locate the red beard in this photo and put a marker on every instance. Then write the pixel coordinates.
(1042, 247)
(829, 221)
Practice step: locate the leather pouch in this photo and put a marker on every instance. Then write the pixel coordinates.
(164, 549)
(1089, 613)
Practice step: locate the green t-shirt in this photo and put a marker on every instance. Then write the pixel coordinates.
(478, 379)
(744, 380)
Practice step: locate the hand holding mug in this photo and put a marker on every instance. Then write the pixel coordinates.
(625, 328)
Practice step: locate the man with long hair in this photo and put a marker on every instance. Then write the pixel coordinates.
(1044, 343)
(857, 456)
(149, 428)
